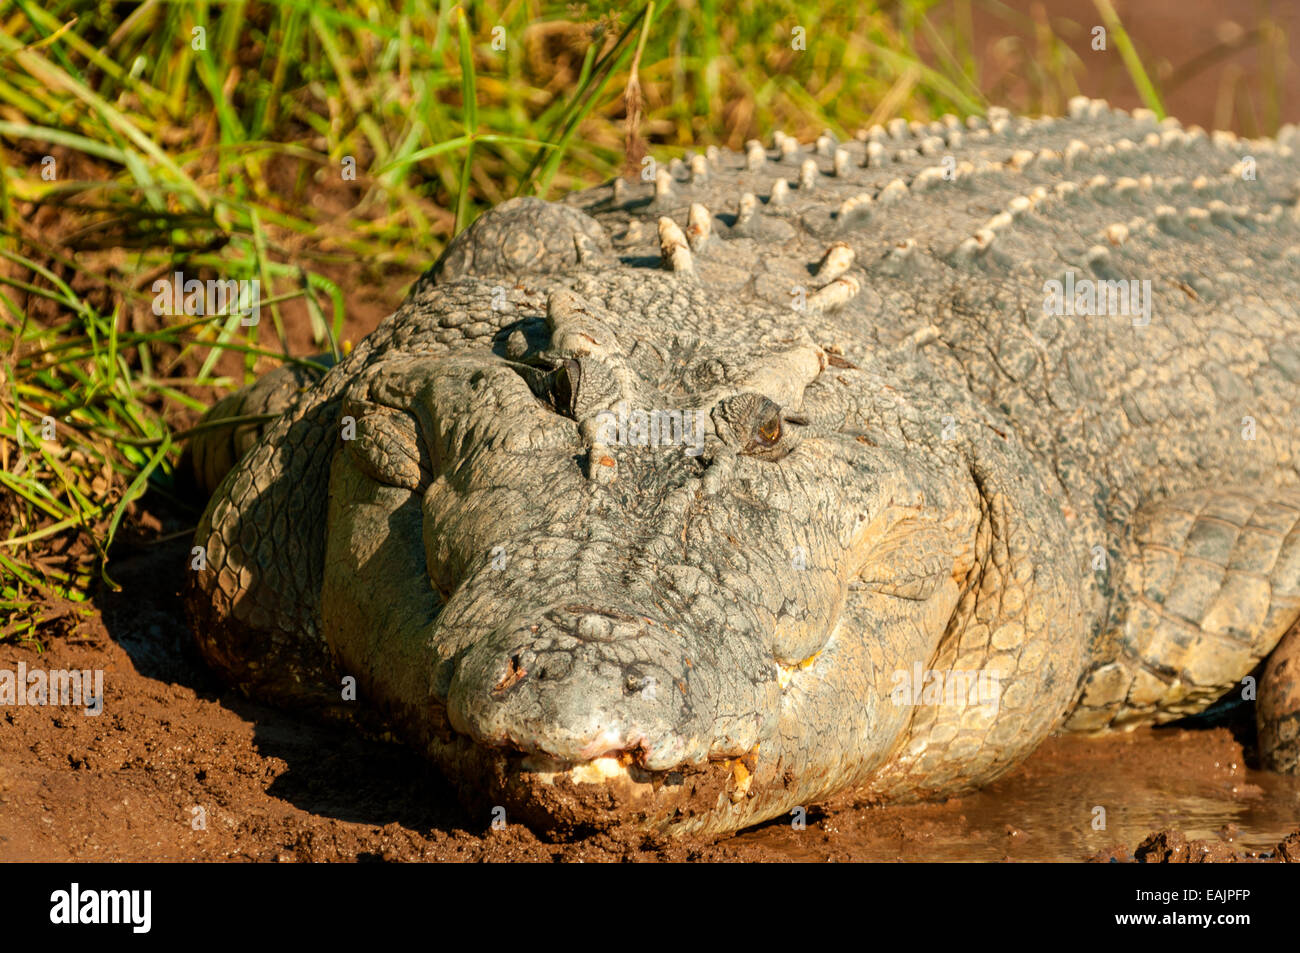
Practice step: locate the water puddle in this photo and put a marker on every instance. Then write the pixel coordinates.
(1194, 781)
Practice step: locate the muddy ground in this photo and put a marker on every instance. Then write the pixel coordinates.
(125, 785)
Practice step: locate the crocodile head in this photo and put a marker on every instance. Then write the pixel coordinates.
(636, 576)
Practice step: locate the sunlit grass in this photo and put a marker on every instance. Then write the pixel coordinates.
(198, 136)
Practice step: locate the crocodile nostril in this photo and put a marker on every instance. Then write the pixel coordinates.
(515, 673)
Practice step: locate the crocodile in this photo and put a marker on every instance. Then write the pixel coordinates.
(845, 468)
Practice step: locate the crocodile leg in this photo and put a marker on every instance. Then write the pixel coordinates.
(1210, 584)
(211, 454)
(1278, 711)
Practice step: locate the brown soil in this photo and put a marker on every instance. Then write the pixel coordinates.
(1218, 65)
(124, 785)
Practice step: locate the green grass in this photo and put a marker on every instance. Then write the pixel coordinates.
(209, 158)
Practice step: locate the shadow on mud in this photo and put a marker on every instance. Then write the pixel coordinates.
(330, 770)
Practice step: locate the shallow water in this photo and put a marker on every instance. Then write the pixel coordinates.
(1194, 781)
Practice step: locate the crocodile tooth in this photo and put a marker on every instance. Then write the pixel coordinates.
(954, 139)
(834, 295)
(974, 123)
(1098, 256)
(745, 212)
(1078, 107)
(877, 133)
(950, 121)
(1098, 182)
(713, 154)
(754, 155)
(673, 248)
(897, 128)
(780, 192)
(1143, 116)
(917, 128)
(1124, 185)
(1048, 158)
(999, 126)
(841, 162)
(699, 168)
(620, 190)
(836, 261)
(699, 225)
(778, 138)
(676, 167)
(808, 174)
(789, 146)
(825, 145)
(875, 155)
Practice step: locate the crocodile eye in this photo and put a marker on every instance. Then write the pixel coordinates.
(770, 432)
(564, 381)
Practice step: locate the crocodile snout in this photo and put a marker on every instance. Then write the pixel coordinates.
(577, 682)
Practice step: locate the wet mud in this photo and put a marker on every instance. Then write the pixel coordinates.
(177, 767)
